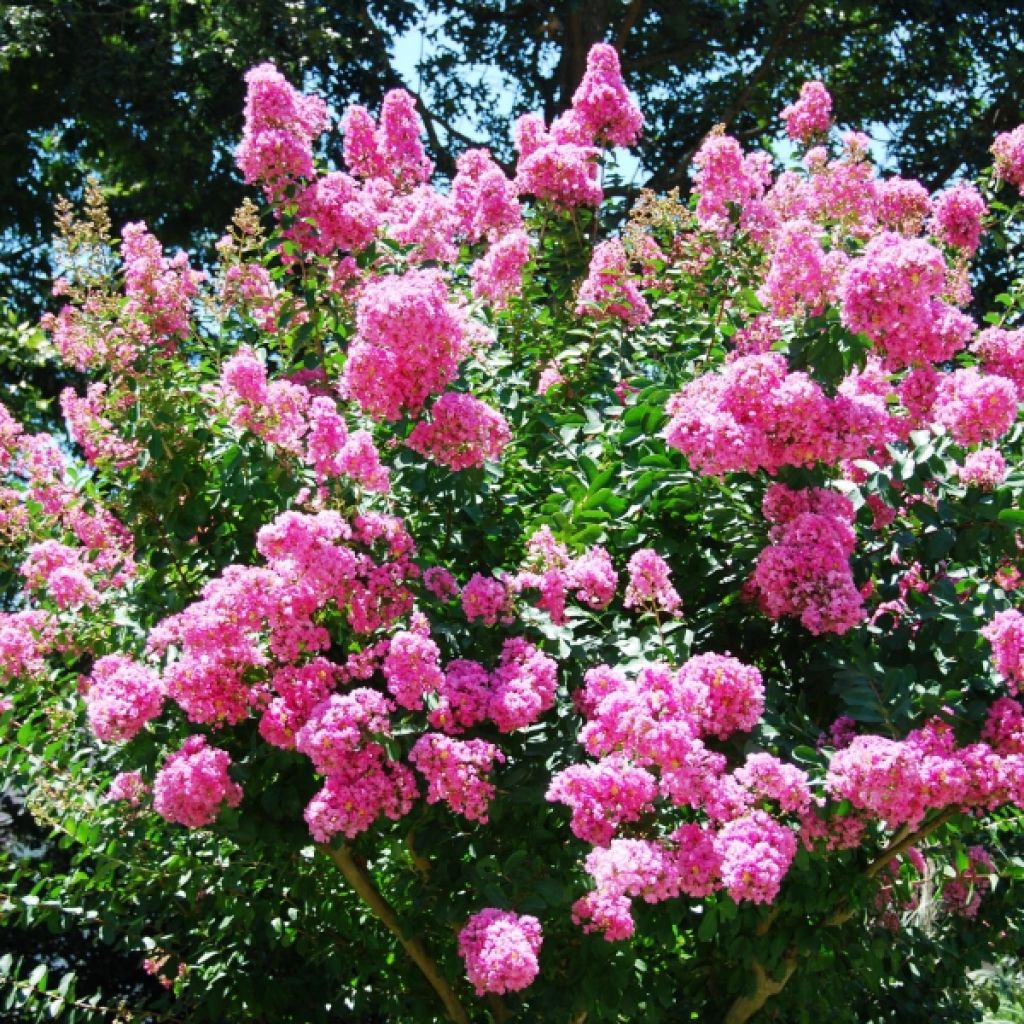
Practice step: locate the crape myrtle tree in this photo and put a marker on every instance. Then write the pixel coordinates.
(447, 608)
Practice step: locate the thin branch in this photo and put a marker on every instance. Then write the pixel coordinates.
(739, 102)
(636, 8)
(365, 887)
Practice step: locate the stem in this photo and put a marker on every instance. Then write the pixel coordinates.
(746, 1006)
(904, 842)
(360, 880)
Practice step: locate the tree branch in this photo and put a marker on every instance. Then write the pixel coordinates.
(746, 1006)
(738, 103)
(636, 8)
(365, 887)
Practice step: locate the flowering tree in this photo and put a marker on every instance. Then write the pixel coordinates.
(441, 611)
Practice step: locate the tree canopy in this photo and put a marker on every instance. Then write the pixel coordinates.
(147, 95)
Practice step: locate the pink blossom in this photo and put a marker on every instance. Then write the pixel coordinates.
(811, 115)
(601, 104)
(650, 587)
(353, 799)
(1001, 352)
(609, 291)
(342, 731)
(500, 950)
(563, 173)
(957, 215)
(280, 125)
(985, 469)
(1004, 727)
(408, 346)
(122, 696)
(1008, 150)
(463, 432)
(483, 199)
(412, 668)
(1006, 635)
(393, 151)
(486, 598)
(756, 852)
(193, 784)
(522, 686)
(456, 772)
(805, 572)
(463, 698)
(498, 274)
(298, 690)
(727, 180)
(602, 795)
(127, 786)
(902, 204)
(975, 407)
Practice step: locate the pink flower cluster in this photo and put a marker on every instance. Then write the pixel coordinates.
(890, 292)
(286, 414)
(350, 801)
(811, 115)
(1008, 150)
(193, 784)
(334, 214)
(63, 573)
(731, 187)
(756, 852)
(90, 427)
(754, 414)
(962, 894)
(487, 599)
(159, 290)
(630, 869)
(805, 572)
(280, 126)
(483, 199)
(410, 341)
(251, 616)
(412, 668)
(1004, 726)
(523, 685)
(129, 787)
(985, 469)
(552, 571)
(121, 697)
(649, 587)
(500, 950)
(1001, 352)
(26, 637)
(975, 407)
(609, 290)
(456, 772)
(462, 432)
(391, 150)
(498, 274)
(957, 217)
(646, 734)
(801, 277)
(603, 795)
(1006, 635)
(554, 165)
(899, 781)
(601, 107)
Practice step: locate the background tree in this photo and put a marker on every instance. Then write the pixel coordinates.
(148, 95)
